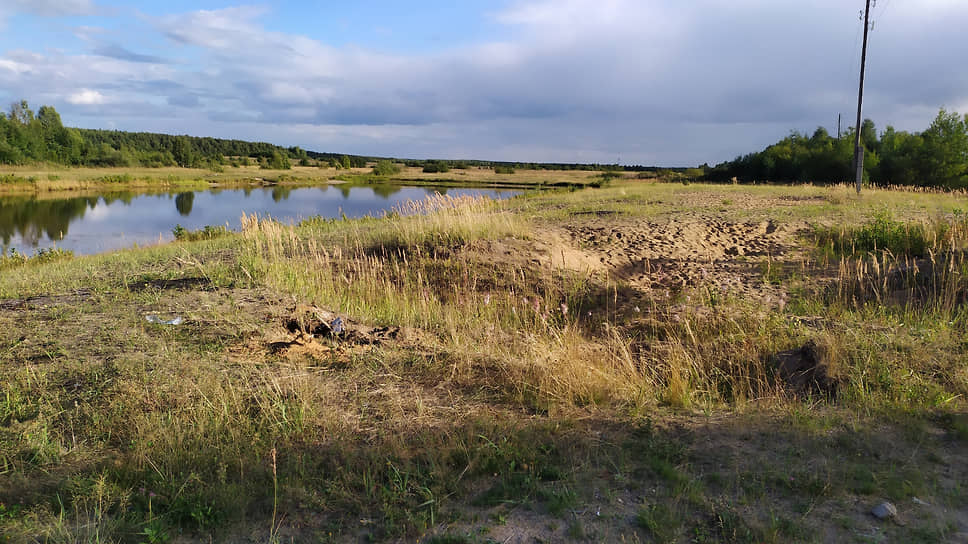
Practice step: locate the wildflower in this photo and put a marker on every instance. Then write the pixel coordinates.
(637, 310)
(564, 309)
(487, 299)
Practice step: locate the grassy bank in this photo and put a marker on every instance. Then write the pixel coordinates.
(549, 367)
(46, 179)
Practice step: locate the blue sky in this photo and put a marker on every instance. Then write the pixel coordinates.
(640, 81)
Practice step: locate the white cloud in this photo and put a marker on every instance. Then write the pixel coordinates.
(651, 80)
(87, 97)
(14, 66)
(220, 29)
(49, 8)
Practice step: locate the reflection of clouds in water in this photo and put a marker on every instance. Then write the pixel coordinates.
(98, 214)
(118, 220)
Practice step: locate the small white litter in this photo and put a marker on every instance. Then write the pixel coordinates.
(152, 318)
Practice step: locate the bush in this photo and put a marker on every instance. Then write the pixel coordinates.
(436, 167)
(277, 161)
(503, 170)
(386, 168)
(116, 178)
(206, 233)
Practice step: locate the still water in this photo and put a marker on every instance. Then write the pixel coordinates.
(108, 221)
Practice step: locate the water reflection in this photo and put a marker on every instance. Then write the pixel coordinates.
(183, 203)
(386, 191)
(32, 220)
(91, 224)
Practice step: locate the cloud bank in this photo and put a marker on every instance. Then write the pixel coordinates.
(641, 81)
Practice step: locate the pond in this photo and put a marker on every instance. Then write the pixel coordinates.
(108, 221)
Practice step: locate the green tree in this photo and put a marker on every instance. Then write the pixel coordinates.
(432, 167)
(945, 150)
(278, 161)
(183, 153)
(386, 168)
(868, 135)
(20, 113)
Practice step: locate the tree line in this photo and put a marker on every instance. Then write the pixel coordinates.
(27, 137)
(936, 157)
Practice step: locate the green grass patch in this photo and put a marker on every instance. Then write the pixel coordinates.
(208, 232)
(13, 258)
(882, 233)
(661, 521)
(13, 179)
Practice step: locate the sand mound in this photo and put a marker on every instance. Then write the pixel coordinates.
(680, 253)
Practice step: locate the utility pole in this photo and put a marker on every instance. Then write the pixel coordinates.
(858, 150)
(838, 127)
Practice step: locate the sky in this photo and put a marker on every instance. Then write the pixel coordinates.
(649, 82)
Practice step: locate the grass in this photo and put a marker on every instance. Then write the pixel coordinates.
(42, 179)
(208, 232)
(517, 397)
(884, 233)
(14, 259)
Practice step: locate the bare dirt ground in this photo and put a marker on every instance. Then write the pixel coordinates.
(704, 245)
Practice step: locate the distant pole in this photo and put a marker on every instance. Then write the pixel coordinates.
(858, 150)
(838, 127)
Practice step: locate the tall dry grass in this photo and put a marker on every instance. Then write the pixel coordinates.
(921, 265)
(513, 323)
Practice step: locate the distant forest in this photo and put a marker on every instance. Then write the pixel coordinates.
(26, 137)
(937, 157)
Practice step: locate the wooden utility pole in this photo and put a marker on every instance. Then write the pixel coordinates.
(858, 150)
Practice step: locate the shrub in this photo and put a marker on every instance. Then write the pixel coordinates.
(436, 167)
(503, 170)
(386, 168)
(116, 178)
(278, 161)
(208, 232)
